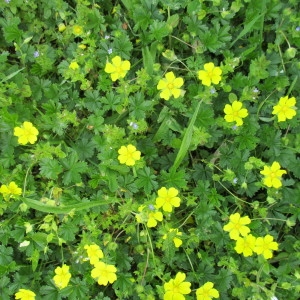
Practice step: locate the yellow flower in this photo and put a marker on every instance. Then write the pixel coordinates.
(77, 30)
(82, 46)
(23, 294)
(104, 273)
(118, 68)
(265, 245)
(167, 198)
(235, 113)
(273, 175)
(236, 226)
(74, 65)
(177, 241)
(10, 190)
(26, 133)
(210, 74)
(207, 292)
(128, 155)
(150, 216)
(94, 253)
(170, 86)
(62, 277)
(176, 288)
(245, 245)
(285, 109)
(61, 27)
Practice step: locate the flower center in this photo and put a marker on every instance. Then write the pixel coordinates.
(170, 86)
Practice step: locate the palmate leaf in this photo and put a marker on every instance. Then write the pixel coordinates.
(123, 286)
(50, 168)
(74, 169)
(50, 292)
(5, 255)
(146, 180)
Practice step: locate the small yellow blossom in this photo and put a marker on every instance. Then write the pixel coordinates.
(235, 113)
(265, 245)
(77, 30)
(10, 190)
(128, 155)
(167, 198)
(236, 226)
(104, 273)
(117, 68)
(61, 27)
(177, 287)
(74, 65)
(26, 133)
(94, 253)
(149, 216)
(210, 74)
(177, 241)
(207, 292)
(273, 175)
(170, 86)
(62, 277)
(285, 109)
(82, 46)
(23, 294)
(245, 245)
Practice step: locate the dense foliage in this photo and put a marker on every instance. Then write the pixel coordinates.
(149, 149)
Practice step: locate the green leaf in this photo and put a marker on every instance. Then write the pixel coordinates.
(175, 179)
(158, 30)
(246, 29)
(12, 75)
(186, 141)
(50, 168)
(50, 292)
(5, 255)
(74, 169)
(67, 231)
(64, 209)
(146, 180)
(12, 33)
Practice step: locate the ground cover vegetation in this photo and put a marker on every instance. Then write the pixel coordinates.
(149, 149)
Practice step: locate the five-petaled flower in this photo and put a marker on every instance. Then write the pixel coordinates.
(285, 109)
(26, 133)
(177, 287)
(77, 30)
(23, 294)
(104, 273)
(73, 65)
(170, 86)
(207, 292)
(265, 245)
(94, 253)
(167, 198)
(245, 245)
(210, 74)
(235, 113)
(62, 277)
(149, 216)
(273, 175)
(237, 226)
(117, 68)
(174, 233)
(10, 190)
(128, 155)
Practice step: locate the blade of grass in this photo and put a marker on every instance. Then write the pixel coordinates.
(246, 29)
(11, 75)
(37, 205)
(186, 141)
